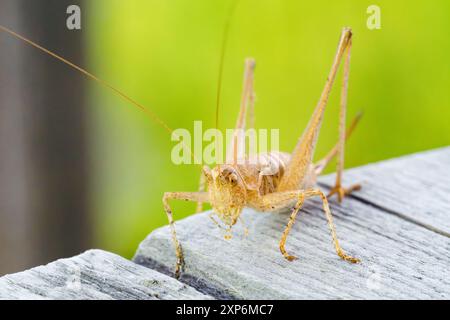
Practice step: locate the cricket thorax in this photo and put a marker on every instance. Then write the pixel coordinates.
(263, 172)
(232, 187)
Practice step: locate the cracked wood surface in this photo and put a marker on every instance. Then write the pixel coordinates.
(95, 274)
(396, 225)
(415, 187)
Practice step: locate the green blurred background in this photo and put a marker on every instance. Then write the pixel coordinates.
(81, 168)
(165, 54)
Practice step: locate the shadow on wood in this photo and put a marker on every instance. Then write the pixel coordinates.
(400, 258)
(405, 252)
(95, 274)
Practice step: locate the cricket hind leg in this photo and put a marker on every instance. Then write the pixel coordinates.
(302, 156)
(338, 188)
(186, 196)
(323, 163)
(246, 110)
(280, 199)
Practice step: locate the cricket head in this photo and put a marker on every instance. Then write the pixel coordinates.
(227, 192)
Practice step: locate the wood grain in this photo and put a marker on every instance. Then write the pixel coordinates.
(415, 187)
(401, 259)
(397, 229)
(95, 274)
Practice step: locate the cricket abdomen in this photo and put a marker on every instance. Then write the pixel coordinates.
(262, 193)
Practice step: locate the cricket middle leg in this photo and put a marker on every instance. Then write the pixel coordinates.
(186, 196)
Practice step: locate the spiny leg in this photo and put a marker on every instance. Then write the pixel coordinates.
(279, 200)
(302, 156)
(338, 189)
(301, 200)
(187, 196)
(329, 217)
(302, 196)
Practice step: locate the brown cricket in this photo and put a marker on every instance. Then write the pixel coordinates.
(274, 181)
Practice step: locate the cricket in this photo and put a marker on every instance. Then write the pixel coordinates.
(273, 181)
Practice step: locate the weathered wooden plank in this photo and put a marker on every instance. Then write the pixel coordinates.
(95, 274)
(415, 187)
(399, 259)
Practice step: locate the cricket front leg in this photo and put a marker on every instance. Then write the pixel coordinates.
(298, 206)
(338, 189)
(280, 200)
(186, 196)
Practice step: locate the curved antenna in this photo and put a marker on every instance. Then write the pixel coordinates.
(146, 110)
(91, 76)
(222, 57)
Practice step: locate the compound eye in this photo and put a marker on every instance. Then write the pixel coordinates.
(233, 178)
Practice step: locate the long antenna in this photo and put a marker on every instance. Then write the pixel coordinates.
(147, 111)
(150, 113)
(222, 57)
